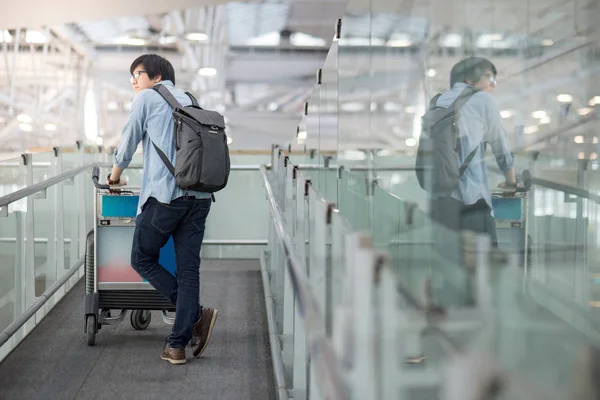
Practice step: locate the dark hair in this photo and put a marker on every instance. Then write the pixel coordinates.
(470, 69)
(155, 65)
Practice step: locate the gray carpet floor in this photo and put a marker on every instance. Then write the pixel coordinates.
(54, 361)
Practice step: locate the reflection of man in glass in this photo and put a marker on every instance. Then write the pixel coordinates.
(469, 207)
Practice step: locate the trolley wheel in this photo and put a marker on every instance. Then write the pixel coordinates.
(140, 319)
(91, 327)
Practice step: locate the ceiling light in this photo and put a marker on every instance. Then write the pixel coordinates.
(584, 111)
(25, 127)
(431, 72)
(594, 100)
(302, 135)
(6, 37)
(530, 129)
(352, 107)
(593, 156)
(389, 106)
(492, 36)
(578, 139)
(411, 142)
(506, 114)
(595, 140)
(112, 106)
(50, 127)
(410, 109)
(35, 37)
(24, 118)
(581, 155)
(229, 140)
(539, 114)
(302, 39)
(564, 98)
(130, 41)
(207, 71)
(453, 40)
(273, 106)
(547, 42)
(398, 43)
(545, 120)
(197, 37)
(99, 141)
(167, 39)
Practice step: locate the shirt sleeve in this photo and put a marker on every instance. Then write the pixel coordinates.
(133, 132)
(496, 134)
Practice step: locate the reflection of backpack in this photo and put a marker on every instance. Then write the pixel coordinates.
(202, 156)
(437, 164)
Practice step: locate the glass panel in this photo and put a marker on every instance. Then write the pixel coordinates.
(353, 200)
(12, 175)
(10, 283)
(43, 166)
(241, 203)
(43, 232)
(70, 210)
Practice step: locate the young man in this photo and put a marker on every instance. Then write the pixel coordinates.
(469, 207)
(164, 209)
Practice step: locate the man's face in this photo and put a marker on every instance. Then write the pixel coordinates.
(487, 82)
(140, 80)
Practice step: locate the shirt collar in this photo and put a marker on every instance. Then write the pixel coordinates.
(165, 83)
(460, 85)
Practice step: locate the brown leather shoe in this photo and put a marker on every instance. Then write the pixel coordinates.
(203, 329)
(174, 356)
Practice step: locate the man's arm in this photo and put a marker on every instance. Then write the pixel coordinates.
(498, 140)
(132, 135)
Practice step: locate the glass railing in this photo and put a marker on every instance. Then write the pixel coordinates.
(44, 220)
(409, 305)
(44, 216)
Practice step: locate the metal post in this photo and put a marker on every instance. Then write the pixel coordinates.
(59, 224)
(19, 296)
(80, 186)
(361, 280)
(579, 257)
(29, 265)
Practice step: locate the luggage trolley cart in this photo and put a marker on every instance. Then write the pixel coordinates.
(110, 281)
(510, 207)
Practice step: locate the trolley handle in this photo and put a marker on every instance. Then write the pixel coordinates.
(526, 180)
(95, 174)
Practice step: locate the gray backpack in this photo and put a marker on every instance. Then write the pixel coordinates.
(202, 156)
(439, 144)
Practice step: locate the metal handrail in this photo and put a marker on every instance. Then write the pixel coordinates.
(38, 187)
(320, 348)
(586, 194)
(7, 333)
(238, 167)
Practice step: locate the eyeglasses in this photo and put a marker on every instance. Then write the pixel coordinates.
(136, 75)
(491, 77)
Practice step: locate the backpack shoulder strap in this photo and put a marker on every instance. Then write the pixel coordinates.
(463, 97)
(468, 160)
(166, 94)
(433, 101)
(194, 101)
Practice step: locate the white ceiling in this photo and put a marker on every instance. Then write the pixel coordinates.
(38, 13)
(264, 88)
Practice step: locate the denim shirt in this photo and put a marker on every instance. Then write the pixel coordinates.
(150, 120)
(480, 124)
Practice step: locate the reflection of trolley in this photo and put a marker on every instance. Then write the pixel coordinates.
(110, 281)
(510, 207)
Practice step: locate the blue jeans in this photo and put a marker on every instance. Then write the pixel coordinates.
(184, 218)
